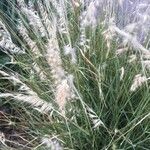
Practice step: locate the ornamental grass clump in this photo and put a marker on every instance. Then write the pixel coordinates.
(74, 74)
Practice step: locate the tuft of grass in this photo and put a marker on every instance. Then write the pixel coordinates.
(74, 79)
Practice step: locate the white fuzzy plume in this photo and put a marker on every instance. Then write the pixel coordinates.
(25, 94)
(138, 81)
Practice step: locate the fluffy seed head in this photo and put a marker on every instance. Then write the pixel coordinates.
(138, 82)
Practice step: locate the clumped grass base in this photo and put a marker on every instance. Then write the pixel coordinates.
(103, 113)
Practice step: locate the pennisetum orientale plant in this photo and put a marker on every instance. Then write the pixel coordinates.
(78, 77)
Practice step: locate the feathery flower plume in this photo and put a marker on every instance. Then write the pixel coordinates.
(34, 19)
(52, 143)
(54, 60)
(122, 73)
(24, 33)
(32, 99)
(60, 16)
(63, 93)
(25, 94)
(138, 81)
(94, 118)
(68, 50)
(6, 42)
(84, 42)
(108, 36)
(45, 17)
(90, 15)
(33, 47)
(131, 40)
(62, 21)
(62, 88)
